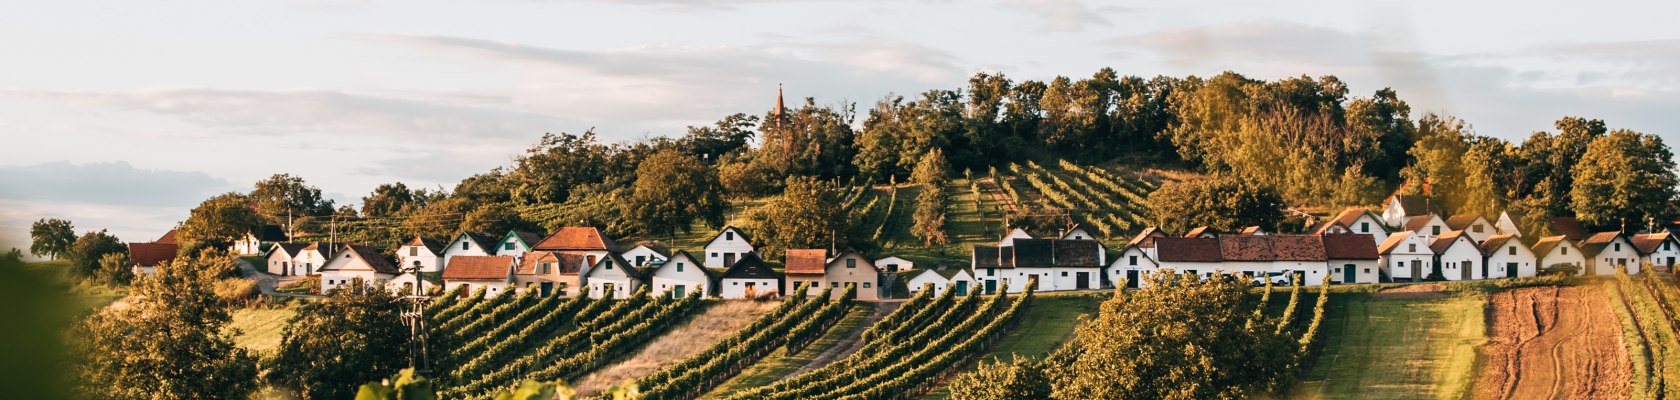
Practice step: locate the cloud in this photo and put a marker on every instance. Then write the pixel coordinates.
(1645, 64)
(1060, 15)
(271, 113)
(129, 223)
(109, 183)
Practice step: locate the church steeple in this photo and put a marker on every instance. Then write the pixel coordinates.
(779, 107)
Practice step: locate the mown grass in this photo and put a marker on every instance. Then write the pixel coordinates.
(260, 328)
(1396, 348)
(779, 363)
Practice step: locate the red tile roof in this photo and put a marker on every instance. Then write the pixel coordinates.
(1569, 227)
(1462, 221)
(478, 267)
(168, 238)
(806, 261)
(151, 254)
(1417, 223)
(1201, 230)
(1171, 249)
(1648, 242)
(576, 238)
(1350, 246)
(1445, 241)
(1393, 241)
(1496, 242)
(1545, 244)
(1146, 239)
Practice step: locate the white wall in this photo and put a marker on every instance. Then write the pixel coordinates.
(737, 288)
(428, 262)
(1606, 261)
(455, 249)
(730, 242)
(1364, 271)
(1458, 257)
(691, 276)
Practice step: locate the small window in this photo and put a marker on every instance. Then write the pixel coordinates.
(730, 235)
(1618, 247)
(1511, 250)
(1477, 228)
(851, 263)
(1064, 274)
(1665, 246)
(679, 267)
(991, 272)
(1566, 250)
(507, 246)
(1367, 270)
(1132, 260)
(609, 264)
(737, 283)
(545, 266)
(866, 285)
(714, 254)
(466, 246)
(1435, 230)
(1411, 247)
(1364, 227)
(413, 251)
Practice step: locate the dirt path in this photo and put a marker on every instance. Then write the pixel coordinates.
(1553, 343)
(1414, 291)
(849, 344)
(678, 344)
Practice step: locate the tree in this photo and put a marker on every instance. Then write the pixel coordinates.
(931, 169)
(808, 214)
(388, 200)
(1625, 177)
(672, 190)
(1439, 151)
(332, 346)
(1490, 172)
(217, 223)
(440, 219)
(114, 269)
(186, 354)
(90, 248)
(1178, 338)
(728, 136)
(283, 198)
(1020, 378)
(1385, 118)
(51, 237)
(1224, 203)
(495, 219)
(550, 170)
(929, 218)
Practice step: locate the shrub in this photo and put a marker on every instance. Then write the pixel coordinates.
(307, 285)
(235, 290)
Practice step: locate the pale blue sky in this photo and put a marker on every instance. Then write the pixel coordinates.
(178, 100)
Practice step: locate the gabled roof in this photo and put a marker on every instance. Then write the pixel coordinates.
(577, 238)
(1415, 205)
(371, 257)
(1251, 230)
(167, 238)
(619, 263)
(1349, 246)
(1545, 244)
(1647, 243)
(1187, 249)
(484, 241)
(269, 233)
(478, 267)
(1146, 239)
(526, 238)
(1394, 241)
(1347, 218)
(1076, 227)
(432, 245)
(1078, 253)
(1445, 241)
(806, 261)
(692, 262)
(1271, 248)
(738, 233)
(1463, 221)
(151, 254)
(327, 250)
(991, 256)
(655, 247)
(750, 267)
(1201, 230)
(1416, 223)
(290, 249)
(842, 255)
(1569, 227)
(1599, 241)
(1496, 242)
(1040, 253)
(564, 263)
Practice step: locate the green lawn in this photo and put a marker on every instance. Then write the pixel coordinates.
(1396, 349)
(260, 328)
(778, 364)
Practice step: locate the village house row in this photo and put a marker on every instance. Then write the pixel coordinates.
(1407, 242)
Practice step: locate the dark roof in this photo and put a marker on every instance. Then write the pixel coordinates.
(1598, 241)
(577, 238)
(478, 267)
(1170, 249)
(269, 233)
(291, 249)
(1647, 242)
(750, 267)
(151, 254)
(1034, 253)
(1078, 253)
(1462, 221)
(1350, 246)
(1445, 241)
(618, 261)
(1545, 244)
(1496, 242)
(1040, 253)
(528, 238)
(373, 258)
(805, 261)
(1271, 248)
(1569, 227)
(432, 245)
(693, 262)
(988, 257)
(1146, 238)
(168, 238)
(486, 242)
(1415, 205)
(738, 232)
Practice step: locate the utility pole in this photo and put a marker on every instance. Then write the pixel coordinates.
(415, 320)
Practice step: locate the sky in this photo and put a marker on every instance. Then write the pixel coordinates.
(124, 115)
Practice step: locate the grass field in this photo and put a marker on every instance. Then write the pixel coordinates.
(260, 328)
(1048, 322)
(1396, 349)
(779, 363)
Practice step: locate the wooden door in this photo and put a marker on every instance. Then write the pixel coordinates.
(1464, 271)
(546, 288)
(991, 287)
(728, 259)
(1132, 279)
(1510, 270)
(962, 288)
(1084, 280)
(1417, 270)
(1348, 275)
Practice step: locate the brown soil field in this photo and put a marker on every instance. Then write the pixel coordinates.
(1553, 343)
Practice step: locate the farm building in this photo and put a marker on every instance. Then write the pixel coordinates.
(729, 245)
(646, 254)
(1458, 257)
(894, 264)
(805, 266)
(1560, 250)
(423, 252)
(614, 277)
(357, 263)
(1253, 230)
(1608, 250)
(750, 278)
(1474, 226)
(549, 272)
(469, 244)
(1202, 232)
(681, 275)
(280, 258)
(1145, 240)
(1355, 220)
(1428, 226)
(1507, 223)
(1398, 209)
(852, 268)
(494, 274)
(516, 243)
(1131, 267)
(957, 279)
(148, 256)
(1058, 264)
(1659, 250)
(1016, 233)
(1406, 257)
(1352, 257)
(586, 241)
(257, 240)
(1507, 257)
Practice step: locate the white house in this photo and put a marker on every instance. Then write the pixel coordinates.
(1145, 240)
(1355, 220)
(423, 252)
(681, 275)
(1352, 258)
(1507, 257)
(729, 245)
(1660, 250)
(470, 244)
(646, 254)
(517, 243)
(894, 264)
(256, 241)
(314, 258)
(1406, 257)
(1078, 232)
(1428, 226)
(1458, 257)
(1607, 250)
(750, 278)
(1474, 226)
(1058, 265)
(1398, 208)
(1132, 266)
(957, 279)
(494, 274)
(357, 262)
(1507, 224)
(280, 257)
(1016, 233)
(612, 276)
(1560, 250)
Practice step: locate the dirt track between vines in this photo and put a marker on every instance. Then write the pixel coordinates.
(1553, 343)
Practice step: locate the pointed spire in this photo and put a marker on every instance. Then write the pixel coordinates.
(779, 105)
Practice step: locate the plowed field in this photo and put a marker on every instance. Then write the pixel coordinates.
(1553, 343)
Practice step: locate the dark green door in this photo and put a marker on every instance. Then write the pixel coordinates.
(962, 288)
(1348, 274)
(546, 288)
(679, 290)
(991, 287)
(1510, 270)
(1132, 279)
